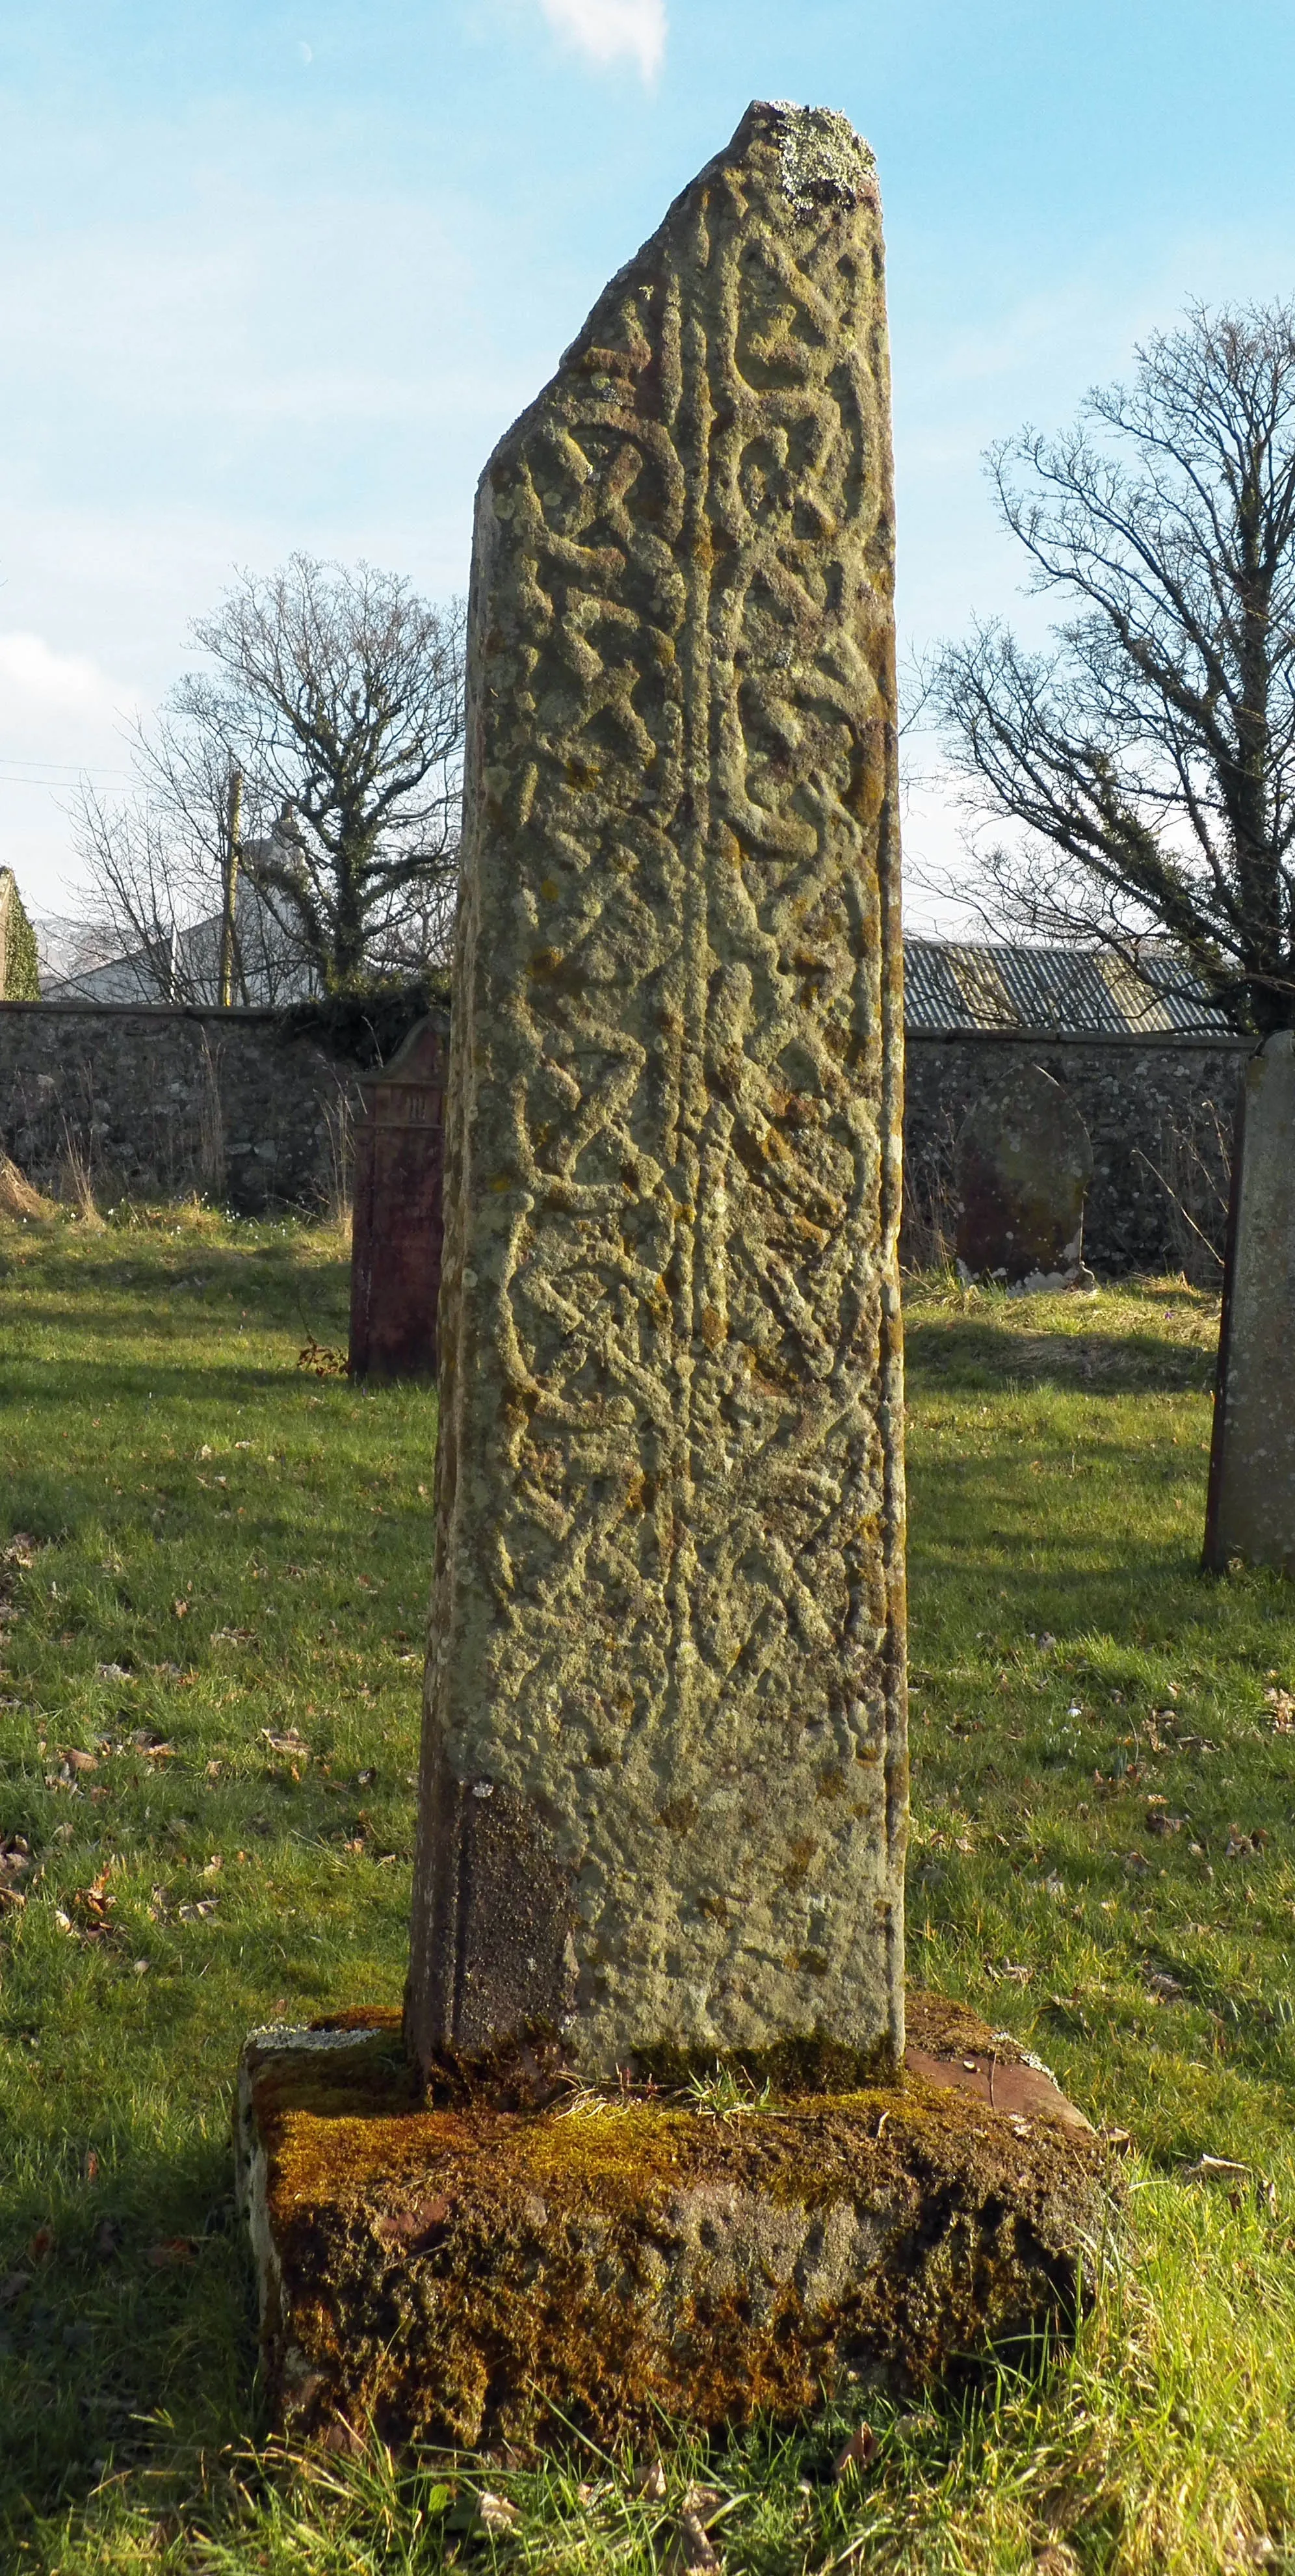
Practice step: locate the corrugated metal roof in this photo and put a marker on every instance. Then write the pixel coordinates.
(949, 984)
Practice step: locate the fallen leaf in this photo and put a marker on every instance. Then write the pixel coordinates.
(859, 2452)
(703, 2500)
(695, 2548)
(173, 2252)
(1242, 1846)
(413, 2227)
(494, 2513)
(651, 2483)
(77, 1761)
(42, 2243)
(1166, 1989)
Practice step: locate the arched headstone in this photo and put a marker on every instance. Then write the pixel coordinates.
(396, 1223)
(1024, 1161)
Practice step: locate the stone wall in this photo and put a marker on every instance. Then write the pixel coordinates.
(148, 1103)
(160, 1102)
(1159, 1110)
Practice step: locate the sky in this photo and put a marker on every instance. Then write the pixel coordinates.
(276, 278)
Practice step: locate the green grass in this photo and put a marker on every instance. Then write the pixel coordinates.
(230, 1560)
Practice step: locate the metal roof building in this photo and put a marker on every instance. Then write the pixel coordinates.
(954, 989)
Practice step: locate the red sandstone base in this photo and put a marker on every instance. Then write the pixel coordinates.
(471, 2275)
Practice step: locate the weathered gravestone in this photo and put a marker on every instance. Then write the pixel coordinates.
(396, 1226)
(663, 1797)
(662, 1807)
(1251, 1508)
(1023, 1164)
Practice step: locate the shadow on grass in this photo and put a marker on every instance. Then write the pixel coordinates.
(128, 2298)
(186, 1315)
(977, 1357)
(82, 1383)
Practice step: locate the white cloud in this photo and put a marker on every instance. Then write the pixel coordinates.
(40, 683)
(607, 29)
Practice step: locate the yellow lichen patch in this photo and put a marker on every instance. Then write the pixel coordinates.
(468, 2273)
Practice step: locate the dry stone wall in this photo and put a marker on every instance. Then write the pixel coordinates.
(157, 1103)
(134, 1088)
(1159, 1113)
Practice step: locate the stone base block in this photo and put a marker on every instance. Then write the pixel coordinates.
(468, 2275)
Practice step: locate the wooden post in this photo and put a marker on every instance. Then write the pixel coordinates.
(229, 887)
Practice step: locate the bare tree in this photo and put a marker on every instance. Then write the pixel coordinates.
(294, 822)
(1148, 758)
(162, 863)
(338, 697)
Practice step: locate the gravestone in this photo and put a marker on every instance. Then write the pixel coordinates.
(1023, 1164)
(396, 1225)
(1251, 1508)
(662, 1806)
(663, 1793)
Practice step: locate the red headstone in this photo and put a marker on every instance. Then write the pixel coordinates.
(396, 1231)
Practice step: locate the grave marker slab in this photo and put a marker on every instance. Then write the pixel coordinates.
(663, 1799)
(396, 1226)
(663, 1795)
(1251, 1508)
(1022, 1168)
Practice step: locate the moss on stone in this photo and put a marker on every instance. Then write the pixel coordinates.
(464, 2273)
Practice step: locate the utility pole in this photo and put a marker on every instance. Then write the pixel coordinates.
(229, 886)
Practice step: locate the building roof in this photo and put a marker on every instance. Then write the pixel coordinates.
(1071, 992)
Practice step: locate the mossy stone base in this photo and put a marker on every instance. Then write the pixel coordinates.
(468, 2275)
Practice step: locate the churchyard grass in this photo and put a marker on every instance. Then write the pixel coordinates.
(222, 1610)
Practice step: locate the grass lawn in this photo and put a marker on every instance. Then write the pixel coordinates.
(212, 1574)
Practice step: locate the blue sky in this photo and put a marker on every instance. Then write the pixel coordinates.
(277, 277)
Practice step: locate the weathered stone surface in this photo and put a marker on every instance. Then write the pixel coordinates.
(1024, 1162)
(663, 1796)
(396, 1226)
(458, 2274)
(1251, 1508)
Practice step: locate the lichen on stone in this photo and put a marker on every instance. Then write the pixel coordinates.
(668, 1612)
(467, 2274)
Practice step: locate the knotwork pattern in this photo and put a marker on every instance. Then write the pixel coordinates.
(669, 1609)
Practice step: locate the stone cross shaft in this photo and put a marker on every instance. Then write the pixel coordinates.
(663, 1794)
